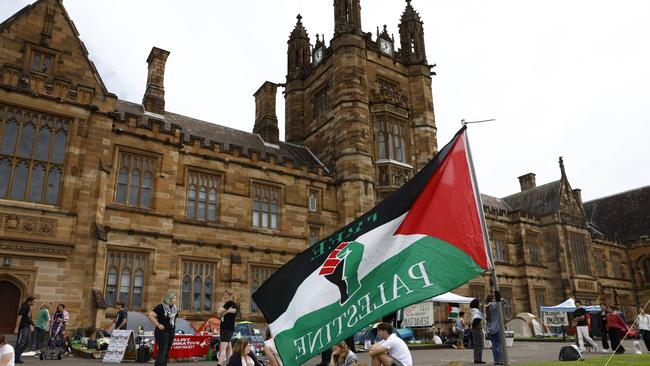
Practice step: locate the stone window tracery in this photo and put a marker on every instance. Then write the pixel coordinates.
(390, 141)
(579, 253)
(135, 180)
(197, 286)
(42, 62)
(500, 246)
(534, 249)
(32, 155)
(646, 270)
(617, 265)
(477, 292)
(314, 234)
(202, 196)
(266, 200)
(125, 279)
(321, 103)
(258, 275)
(599, 260)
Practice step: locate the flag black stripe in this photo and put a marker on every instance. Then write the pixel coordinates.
(275, 295)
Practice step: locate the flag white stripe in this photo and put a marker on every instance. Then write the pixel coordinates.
(316, 292)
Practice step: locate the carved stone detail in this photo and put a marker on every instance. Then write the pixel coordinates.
(36, 250)
(26, 224)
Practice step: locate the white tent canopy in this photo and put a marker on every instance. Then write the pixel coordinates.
(568, 306)
(452, 298)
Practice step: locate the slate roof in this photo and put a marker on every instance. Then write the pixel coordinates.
(539, 201)
(301, 155)
(494, 202)
(624, 216)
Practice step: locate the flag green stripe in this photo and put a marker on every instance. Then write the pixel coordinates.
(427, 268)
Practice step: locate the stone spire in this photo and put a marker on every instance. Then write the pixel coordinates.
(299, 52)
(347, 17)
(411, 35)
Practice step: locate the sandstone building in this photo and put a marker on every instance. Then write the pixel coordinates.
(103, 199)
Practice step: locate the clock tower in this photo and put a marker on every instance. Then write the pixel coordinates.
(364, 108)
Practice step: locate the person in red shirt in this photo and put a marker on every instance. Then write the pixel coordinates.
(616, 327)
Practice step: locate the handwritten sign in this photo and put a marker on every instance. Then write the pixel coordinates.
(120, 339)
(418, 315)
(555, 318)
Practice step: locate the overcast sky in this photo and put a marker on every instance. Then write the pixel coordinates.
(568, 78)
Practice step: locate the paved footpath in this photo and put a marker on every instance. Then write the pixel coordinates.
(523, 352)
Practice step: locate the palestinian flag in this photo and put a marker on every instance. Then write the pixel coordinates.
(453, 309)
(422, 241)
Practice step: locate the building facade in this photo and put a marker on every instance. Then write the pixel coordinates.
(105, 200)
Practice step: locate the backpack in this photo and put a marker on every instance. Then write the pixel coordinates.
(570, 353)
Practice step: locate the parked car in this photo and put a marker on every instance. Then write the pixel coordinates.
(370, 333)
(252, 333)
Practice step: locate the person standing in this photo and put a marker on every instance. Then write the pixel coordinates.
(391, 350)
(582, 327)
(459, 329)
(602, 326)
(122, 316)
(23, 328)
(492, 318)
(476, 319)
(228, 313)
(615, 327)
(163, 317)
(644, 328)
(42, 325)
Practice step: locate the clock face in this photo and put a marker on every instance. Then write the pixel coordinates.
(318, 56)
(385, 47)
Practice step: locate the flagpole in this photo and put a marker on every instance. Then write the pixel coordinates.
(486, 238)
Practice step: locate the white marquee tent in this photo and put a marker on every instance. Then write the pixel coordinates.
(569, 306)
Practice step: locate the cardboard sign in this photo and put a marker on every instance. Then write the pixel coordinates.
(120, 340)
(186, 346)
(555, 318)
(418, 315)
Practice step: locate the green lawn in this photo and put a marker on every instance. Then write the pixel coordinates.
(617, 360)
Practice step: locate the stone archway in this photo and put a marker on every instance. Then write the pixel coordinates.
(9, 303)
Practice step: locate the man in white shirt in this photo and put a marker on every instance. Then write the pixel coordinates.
(644, 328)
(6, 353)
(391, 350)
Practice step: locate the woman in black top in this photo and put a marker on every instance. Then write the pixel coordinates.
(227, 312)
(163, 317)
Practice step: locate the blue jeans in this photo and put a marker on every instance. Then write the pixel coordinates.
(496, 347)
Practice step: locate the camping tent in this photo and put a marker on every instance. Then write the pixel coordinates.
(452, 298)
(570, 306)
(136, 319)
(525, 325)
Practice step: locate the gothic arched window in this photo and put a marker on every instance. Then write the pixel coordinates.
(197, 287)
(125, 279)
(266, 210)
(29, 155)
(135, 180)
(202, 196)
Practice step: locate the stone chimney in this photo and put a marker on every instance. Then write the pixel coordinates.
(154, 97)
(266, 121)
(527, 181)
(578, 194)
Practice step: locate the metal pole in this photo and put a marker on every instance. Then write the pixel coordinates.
(502, 328)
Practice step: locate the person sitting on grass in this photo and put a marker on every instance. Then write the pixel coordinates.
(391, 350)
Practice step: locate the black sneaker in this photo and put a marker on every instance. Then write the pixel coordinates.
(479, 362)
(19, 361)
